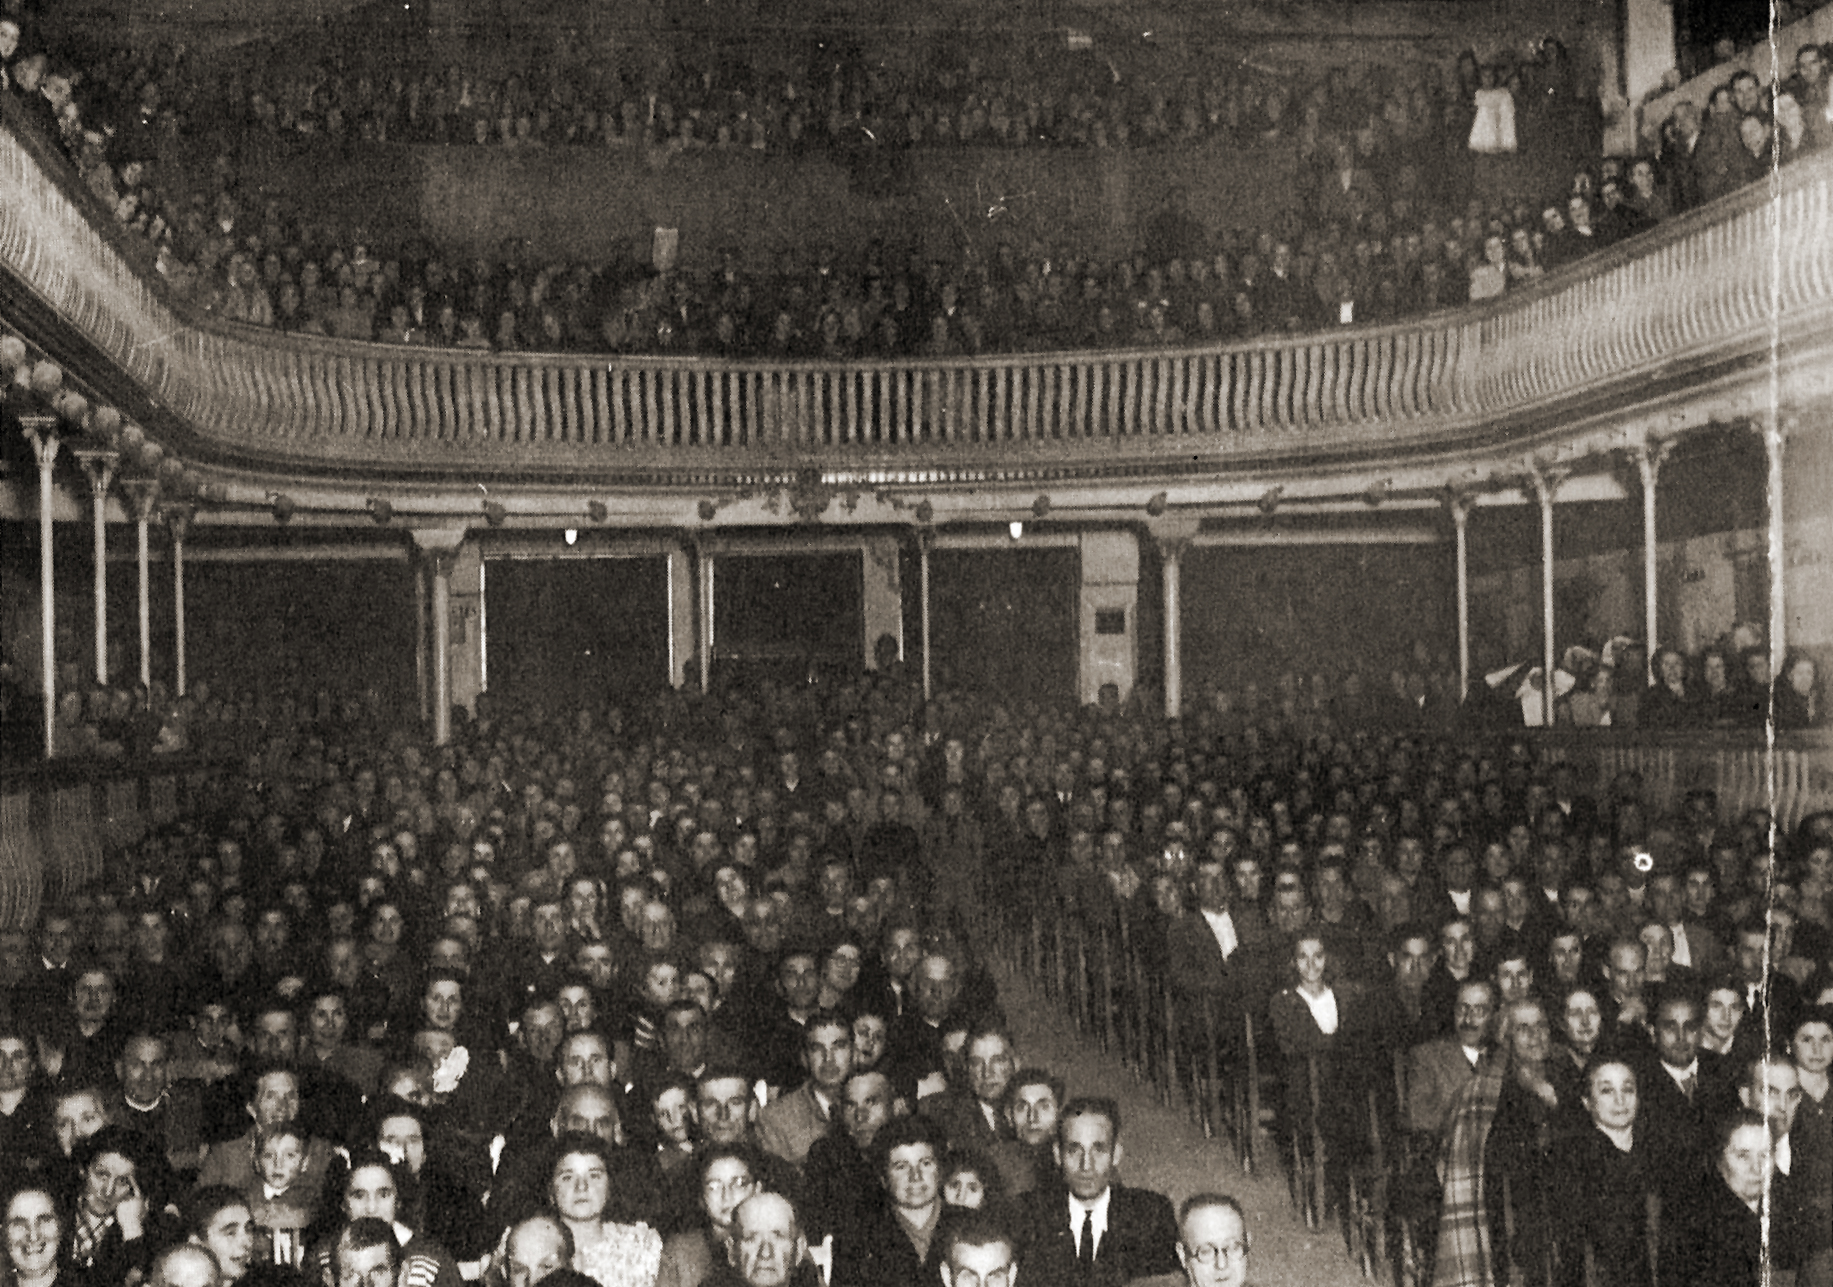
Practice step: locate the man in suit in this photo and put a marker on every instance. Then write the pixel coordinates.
(1091, 1230)
(1674, 1112)
(1438, 1069)
(842, 1171)
(1217, 955)
(790, 1124)
(1456, 966)
(972, 1117)
(169, 1114)
(1768, 991)
(1696, 946)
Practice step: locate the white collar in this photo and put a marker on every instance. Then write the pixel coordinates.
(1097, 1212)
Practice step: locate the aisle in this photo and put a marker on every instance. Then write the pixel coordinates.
(1166, 1152)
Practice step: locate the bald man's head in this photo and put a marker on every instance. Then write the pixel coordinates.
(536, 1248)
(590, 1109)
(766, 1245)
(186, 1265)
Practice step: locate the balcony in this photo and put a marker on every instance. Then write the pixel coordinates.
(1708, 310)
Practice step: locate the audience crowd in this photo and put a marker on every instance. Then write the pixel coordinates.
(1403, 208)
(691, 991)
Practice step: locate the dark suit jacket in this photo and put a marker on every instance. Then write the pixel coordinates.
(876, 1252)
(1436, 1072)
(791, 1123)
(1141, 1238)
(963, 1124)
(1717, 1241)
(1193, 959)
(1676, 1131)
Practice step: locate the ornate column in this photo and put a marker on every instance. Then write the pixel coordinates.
(99, 469)
(441, 547)
(1546, 481)
(41, 432)
(143, 500)
(1459, 505)
(924, 538)
(1649, 458)
(178, 520)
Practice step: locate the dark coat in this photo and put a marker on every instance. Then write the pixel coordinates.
(1141, 1238)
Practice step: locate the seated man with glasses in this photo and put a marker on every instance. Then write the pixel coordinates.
(980, 1252)
(1212, 1241)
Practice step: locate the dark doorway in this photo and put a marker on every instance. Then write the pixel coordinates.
(291, 627)
(783, 616)
(571, 630)
(1004, 621)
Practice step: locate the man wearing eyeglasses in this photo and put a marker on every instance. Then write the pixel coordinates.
(1212, 1241)
(980, 1253)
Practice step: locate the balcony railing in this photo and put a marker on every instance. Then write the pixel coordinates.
(1717, 286)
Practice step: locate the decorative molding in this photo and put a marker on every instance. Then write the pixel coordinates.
(1698, 320)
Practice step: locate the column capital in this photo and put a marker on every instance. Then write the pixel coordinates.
(1459, 501)
(1545, 479)
(440, 546)
(1173, 536)
(41, 432)
(178, 520)
(1649, 456)
(142, 497)
(99, 468)
(438, 540)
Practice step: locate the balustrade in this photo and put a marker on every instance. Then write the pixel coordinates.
(1718, 280)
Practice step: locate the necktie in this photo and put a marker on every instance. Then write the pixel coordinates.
(1686, 1088)
(1085, 1243)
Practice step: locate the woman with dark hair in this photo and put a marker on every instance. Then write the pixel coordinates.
(114, 1228)
(1748, 706)
(1609, 1171)
(1578, 1018)
(1718, 1237)
(1715, 689)
(1796, 700)
(579, 1188)
(1670, 702)
(372, 1189)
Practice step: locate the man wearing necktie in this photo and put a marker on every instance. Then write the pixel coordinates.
(790, 1124)
(1674, 1115)
(1089, 1229)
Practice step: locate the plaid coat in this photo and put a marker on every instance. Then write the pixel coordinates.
(1464, 1242)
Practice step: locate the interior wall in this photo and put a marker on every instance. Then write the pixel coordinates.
(301, 626)
(577, 629)
(1251, 613)
(1004, 621)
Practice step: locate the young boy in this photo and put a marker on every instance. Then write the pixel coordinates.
(282, 1208)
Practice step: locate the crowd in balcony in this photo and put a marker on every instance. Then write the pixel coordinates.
(1727, 684)
(1402, 212)
(385, 1003)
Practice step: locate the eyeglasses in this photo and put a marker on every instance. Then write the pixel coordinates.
(1211, 1256)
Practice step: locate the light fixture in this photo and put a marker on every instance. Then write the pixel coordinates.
(1017, 529)
(572, 535)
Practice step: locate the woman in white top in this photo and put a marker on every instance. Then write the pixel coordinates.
(1321, 1018)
